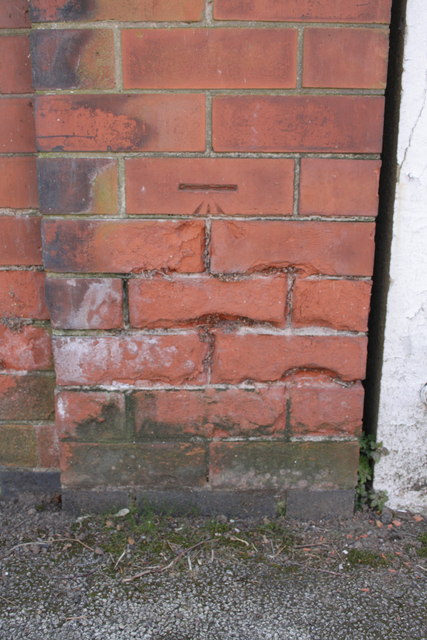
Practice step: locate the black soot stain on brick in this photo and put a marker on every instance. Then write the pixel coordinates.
(55, 56)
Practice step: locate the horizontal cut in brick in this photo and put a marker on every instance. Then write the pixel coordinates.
(269, 357)
(47, 446)
(18, 445)
(77, 185)
(332, 248)
(91, 416)
(151, 122)
(169, 359)
(377, 11)
(25, 348)
(123, 246)
(167, 303)
(26, 397)
(213, 413)
(18, 183)
(326, 409)
(209, 185)
(125, 10)
(209, 58)
(352, 124)
(287, 465)
(85, 303)
(339, 187)
(14, 14)
(339, 304)
(15, 71)
(345, 58)
(20, 240)
(157, 465)
(17, 125)
(22, 295)
(73, 59)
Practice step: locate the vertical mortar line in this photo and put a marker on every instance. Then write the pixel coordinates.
(209, 149)
(289, 299)
(129, 417)
(209, 13)
(207, 248)
(118, 58)
(297, 182)
(300, 57)
(288, 425)
(121, 186)
(125, 304)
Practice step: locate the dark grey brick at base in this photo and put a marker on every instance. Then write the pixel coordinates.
(15, 482)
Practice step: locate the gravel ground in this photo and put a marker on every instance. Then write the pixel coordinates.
(138, 576)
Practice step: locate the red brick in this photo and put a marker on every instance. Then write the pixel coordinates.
(47, 446)
(123, 246)
(270, 357)
(332, 248)
(339, 187)
(15, 68)
(25, 348)
(14, 14)
(85, 303)
(326, 409)
(212, 413)
(304, 10)
(339, 304)
(209, 185)
(150, 122)
(22, 295)
(18, 183)
(125, 10)
(352, 124)
(26, 397)
(182, 301)
(91, 416)
(73, 59)
(18, 445)
(17, 130)
(169, 359)
(209, 58)
(20, 240)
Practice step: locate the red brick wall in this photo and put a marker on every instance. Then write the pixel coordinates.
(207, 178)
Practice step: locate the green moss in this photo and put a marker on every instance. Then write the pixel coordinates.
(422, 551)
(358, 557)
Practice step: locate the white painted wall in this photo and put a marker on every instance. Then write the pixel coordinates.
(402, 425)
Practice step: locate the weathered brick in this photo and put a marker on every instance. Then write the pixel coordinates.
(352, 124)
(339, 187)
(47, 446)
(345, 58)
(169, 359)
(209, 185)
(20, 240)
(77, 185)
(340, 304)
(26, 397)
(270, 357)
(325, 409)
(22, 295)
(18, 445)
(15, 69)
(17, 132)
(25, 348)
(287, 465)
(18, 183)
(145, 465)
(85, 303)
(14, 14)
(123, 246)
(212, 413)
(73, 59)
(150, 122)
(91, 416)
(180, 301)
(209, 58)
(331, 248)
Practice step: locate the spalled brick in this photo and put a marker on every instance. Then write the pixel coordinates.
(73, 59)
(345, 58)
(17, 131)
(209, 58)
(206, 185)
(212, 413)
(339, 304)
(123, 246)
(269, 357)
(150, 122)
(304, 10)
(91, 416)
(47, 446)
(287, 465)
(331, 187)
(126, 10)
(325, 409)
(85, 303)
(18, 183)
(26, 397)
(14, 14)
(20, 240)
(181, 301)
(135, 360)
(18, 445)
(331, 248)
(77, 185)
(351, 124)
(15, 68)
(22, 295)
(25, 348)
